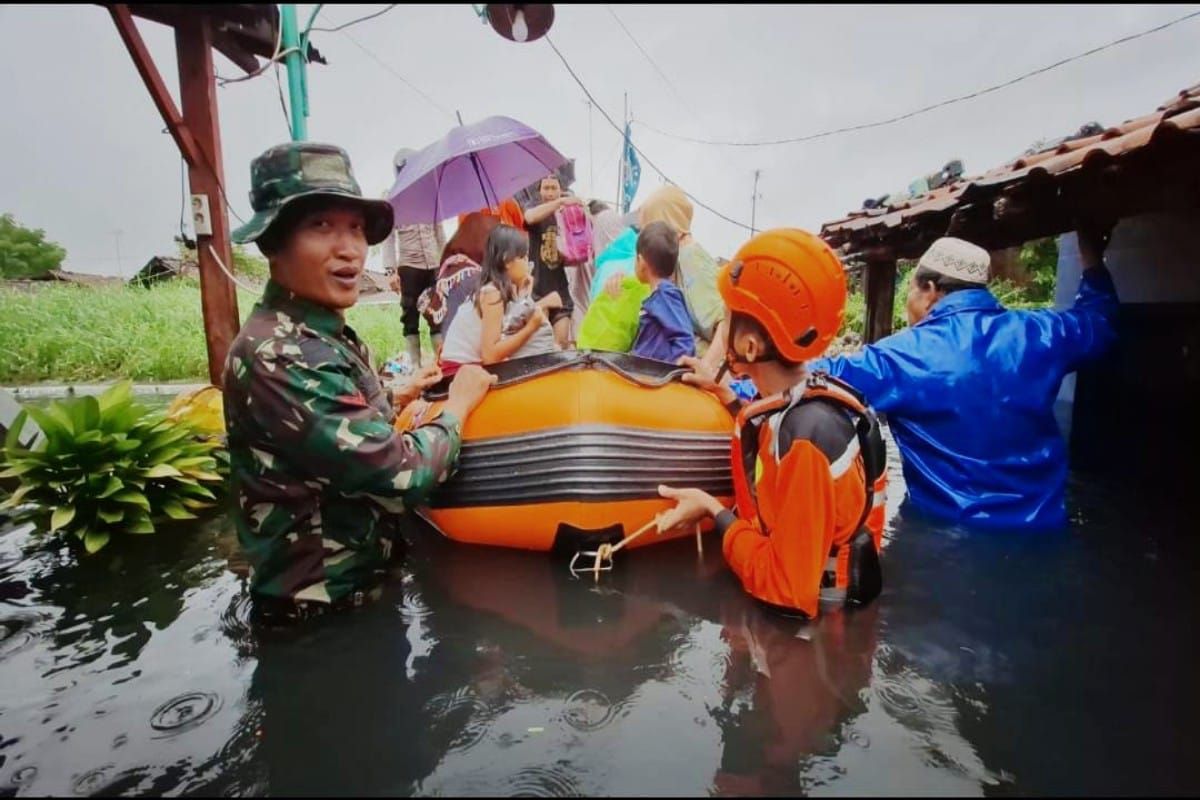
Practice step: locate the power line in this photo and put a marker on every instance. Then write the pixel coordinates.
(635, 148)
(282, 105)
(274, 59)
(929, 108)
(653, 63)
(396, 74)
(356, 21)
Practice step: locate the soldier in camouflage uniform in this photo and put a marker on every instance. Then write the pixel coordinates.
(317, 467)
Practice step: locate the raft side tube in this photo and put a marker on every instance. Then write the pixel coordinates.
(576, 474)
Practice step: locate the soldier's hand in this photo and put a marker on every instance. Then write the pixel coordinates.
(428, 376)
(470, 385)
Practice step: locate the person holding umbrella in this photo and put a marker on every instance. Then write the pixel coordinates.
(478, 166)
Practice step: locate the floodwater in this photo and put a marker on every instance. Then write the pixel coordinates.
(992, 664)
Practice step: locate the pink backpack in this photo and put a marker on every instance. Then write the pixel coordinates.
(574, 234)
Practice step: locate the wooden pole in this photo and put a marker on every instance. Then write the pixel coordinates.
(197, 85)
(154, 83)
(880, 290)
(197, 135)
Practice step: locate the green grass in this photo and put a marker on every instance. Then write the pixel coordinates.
(69, 334)
(72, 334)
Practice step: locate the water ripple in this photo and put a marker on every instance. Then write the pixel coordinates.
(92, 781)
(543, 782)
(19, 630)
(589, 710)
(185, 712)
(463, 706)
(24, 776)
(413, 606)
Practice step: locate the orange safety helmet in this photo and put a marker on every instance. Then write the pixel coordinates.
(793, 284)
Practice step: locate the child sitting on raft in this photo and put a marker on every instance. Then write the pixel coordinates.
(664, 329)
(502, 321)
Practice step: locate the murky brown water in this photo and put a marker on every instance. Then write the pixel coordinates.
(992, 664)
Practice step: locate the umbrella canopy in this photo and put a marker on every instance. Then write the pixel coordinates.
(474, 166)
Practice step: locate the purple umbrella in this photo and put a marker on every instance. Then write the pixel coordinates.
(472, 167)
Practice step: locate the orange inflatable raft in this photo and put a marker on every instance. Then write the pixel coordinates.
(568, 450)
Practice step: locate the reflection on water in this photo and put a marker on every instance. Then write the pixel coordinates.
(992, 664)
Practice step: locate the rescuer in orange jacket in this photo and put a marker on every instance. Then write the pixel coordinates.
(808, 458)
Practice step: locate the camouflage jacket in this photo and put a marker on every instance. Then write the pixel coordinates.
(316, 464)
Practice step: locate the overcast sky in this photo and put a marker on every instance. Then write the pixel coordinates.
(84, 153)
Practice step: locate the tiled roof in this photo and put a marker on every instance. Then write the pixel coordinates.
(1180, 113)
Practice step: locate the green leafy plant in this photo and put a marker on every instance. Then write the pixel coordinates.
(24, 252)
(109, 466)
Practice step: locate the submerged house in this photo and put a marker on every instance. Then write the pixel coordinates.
(1138, 409)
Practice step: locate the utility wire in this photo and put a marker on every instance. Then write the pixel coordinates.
(653, 63)
(356, 21)
(396, 74)
(926, 109)
(274, 59)
(287, 122)
(635, 148)
(183, 197)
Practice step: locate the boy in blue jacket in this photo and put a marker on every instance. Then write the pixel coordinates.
(664, 327)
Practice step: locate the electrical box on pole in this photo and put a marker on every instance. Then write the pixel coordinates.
(201, 220)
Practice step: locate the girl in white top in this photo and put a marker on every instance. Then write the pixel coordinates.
(502, 322)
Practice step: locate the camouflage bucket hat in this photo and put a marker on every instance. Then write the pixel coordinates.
(288, 172)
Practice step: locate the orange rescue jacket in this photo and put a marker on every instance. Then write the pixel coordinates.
(809, 472)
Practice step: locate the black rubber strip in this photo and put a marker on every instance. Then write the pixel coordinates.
(593, 463)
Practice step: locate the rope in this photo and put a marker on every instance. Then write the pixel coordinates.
(606, 551)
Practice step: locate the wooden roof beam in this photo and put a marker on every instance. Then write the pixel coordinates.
(154, 84)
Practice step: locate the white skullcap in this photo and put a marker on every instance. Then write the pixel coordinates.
(957, 259)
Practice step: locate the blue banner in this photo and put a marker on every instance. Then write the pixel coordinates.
(633, 173)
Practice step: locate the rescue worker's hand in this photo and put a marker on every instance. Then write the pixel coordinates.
(410, 390)
(613, 285)
(470, 385)
(703, 376)
(691, 506)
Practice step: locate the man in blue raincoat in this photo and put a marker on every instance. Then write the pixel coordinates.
(969, 387)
